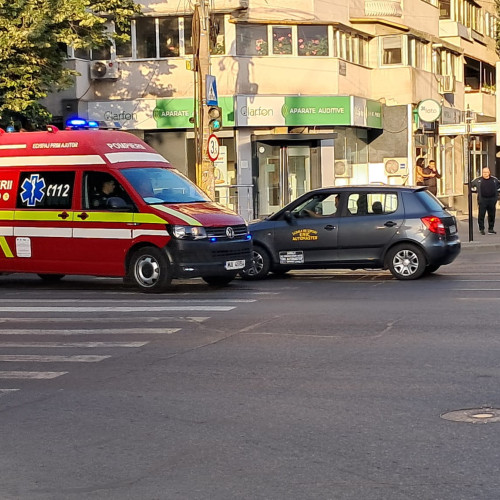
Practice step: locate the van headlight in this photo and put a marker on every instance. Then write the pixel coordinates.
(188, 232)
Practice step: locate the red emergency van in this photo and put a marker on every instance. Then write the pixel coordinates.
(104, 203)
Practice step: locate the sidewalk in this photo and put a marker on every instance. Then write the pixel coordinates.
(486, 243)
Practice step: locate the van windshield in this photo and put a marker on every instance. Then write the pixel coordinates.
(162, 185)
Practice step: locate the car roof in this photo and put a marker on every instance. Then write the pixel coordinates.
(368, 187)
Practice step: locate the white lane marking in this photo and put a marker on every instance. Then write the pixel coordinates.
(105, 331)
(89, 345)
(4, 392)
(84, 358)
(475, 290)
(139, 301)
(112, 319)
(30, 375)
(97, 309)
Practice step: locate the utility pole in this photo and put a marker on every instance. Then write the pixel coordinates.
(468, 120)
(201, 49)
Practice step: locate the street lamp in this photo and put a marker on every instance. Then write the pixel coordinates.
(468, 120)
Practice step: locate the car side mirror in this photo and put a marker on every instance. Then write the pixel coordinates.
(288, 216)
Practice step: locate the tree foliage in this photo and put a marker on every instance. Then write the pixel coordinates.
(34, 35)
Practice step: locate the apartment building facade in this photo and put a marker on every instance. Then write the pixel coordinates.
(313, 93)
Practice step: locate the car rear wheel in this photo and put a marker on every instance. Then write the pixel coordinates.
(51, 277)
(261, 262)
(406, 262)
(149, 270)
(219, 280)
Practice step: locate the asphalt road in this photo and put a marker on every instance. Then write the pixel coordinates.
(318, 385)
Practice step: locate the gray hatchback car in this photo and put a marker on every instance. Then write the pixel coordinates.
(404, 229)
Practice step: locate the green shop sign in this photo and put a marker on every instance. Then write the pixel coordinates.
(275, 111)
(175, 113)
(317, 110)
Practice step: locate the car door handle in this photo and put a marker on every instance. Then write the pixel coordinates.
(329, 227)
(63, 215)
(390, 223)
(83, 215)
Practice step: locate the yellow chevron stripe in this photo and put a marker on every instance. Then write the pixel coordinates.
(105, 217)
(5, 247)
(6, 214)
(23, 215)
(149, 219)
(186, 218)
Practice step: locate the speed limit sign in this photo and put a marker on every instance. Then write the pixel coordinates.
(213, 147)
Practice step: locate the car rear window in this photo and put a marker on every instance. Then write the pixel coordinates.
(429, 201)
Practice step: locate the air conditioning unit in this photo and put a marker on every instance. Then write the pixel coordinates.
(341, 168)
(104, 70)
(396, 166)
(446, 84)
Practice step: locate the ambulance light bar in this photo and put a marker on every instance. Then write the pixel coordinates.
(82, 123)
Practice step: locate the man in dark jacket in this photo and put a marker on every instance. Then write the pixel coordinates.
(487, 188)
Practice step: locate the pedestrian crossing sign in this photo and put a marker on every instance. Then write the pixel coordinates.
(211, 91)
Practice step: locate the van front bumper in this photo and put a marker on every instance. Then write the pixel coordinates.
(191, 259)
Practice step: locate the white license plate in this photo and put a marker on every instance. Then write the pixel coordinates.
(292, 257)
(234, 264)
(453, 229)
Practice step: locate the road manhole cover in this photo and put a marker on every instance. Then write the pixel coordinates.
(484, 415)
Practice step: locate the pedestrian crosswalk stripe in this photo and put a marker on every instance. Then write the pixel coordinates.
(89, 345)
(95, 319)
(104, 331)
(84, 358)
(97, 309)
(139, 301)
(30, 375)
(4, 392)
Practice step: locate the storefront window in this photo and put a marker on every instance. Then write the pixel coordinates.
(251, 40)
(312, 40)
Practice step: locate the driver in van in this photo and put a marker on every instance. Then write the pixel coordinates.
(107, 190)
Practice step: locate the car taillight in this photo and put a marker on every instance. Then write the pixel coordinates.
(434, 225)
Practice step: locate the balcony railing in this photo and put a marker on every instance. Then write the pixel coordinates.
(383, 8)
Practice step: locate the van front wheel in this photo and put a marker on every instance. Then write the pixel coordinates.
(149, 270)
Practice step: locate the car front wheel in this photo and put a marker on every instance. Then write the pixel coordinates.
(261, 262)
(406, 262)
(149, 270)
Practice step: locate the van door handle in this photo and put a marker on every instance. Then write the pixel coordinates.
(83, 215)
(329, 227)
(63, 215)
(390, 223)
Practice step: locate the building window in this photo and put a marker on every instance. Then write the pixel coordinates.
(123, 49)
(417, 53)
(169, 36)
(444, 9)
(145, 35)
(392, 50)
(251, 40)
(312, 41)
(282, 41)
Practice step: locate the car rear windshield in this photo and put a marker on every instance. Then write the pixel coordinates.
(429, 201)
(162, 185)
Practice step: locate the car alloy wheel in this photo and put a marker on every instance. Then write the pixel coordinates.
(406, 262)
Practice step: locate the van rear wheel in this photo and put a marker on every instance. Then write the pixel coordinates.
(149, 270)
